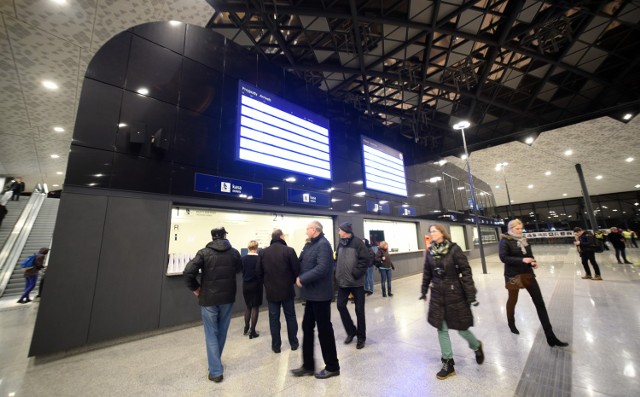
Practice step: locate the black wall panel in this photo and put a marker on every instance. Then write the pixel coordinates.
(131, 268)
(167, 34)
(67, 301)
(109, 65)
(98, 114)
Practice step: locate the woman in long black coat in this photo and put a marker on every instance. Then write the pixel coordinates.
(453, 292)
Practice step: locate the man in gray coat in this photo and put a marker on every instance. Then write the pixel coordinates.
(352, 261)
(216, 293)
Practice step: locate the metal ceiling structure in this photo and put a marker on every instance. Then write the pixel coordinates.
(509, 67)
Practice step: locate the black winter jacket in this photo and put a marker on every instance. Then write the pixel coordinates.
(316, 270)
(511, 255)
(588, 243)
(278, 266)
(452, 289)
(219, 263)
(352, 261)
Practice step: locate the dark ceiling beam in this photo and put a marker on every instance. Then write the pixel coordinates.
(355, 29)
(275, 31)
(426, 28)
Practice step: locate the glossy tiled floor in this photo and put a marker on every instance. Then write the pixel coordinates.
(601, 320)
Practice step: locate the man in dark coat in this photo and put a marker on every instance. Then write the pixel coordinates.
(352, 261)
(278, 266)
(316, 282)
(216, 293)
(618, 242)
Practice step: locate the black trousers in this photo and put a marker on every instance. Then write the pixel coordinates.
(536, 296)
(621, 250)
(319, 313)
(586, 257)
(358, 299)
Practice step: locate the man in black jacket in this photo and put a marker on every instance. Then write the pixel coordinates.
(216, 293)
(278, 266)
(352, 261)
(586, 244)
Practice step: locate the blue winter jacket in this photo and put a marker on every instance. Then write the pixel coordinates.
(316, 270)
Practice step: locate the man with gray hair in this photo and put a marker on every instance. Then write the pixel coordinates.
(316, 283)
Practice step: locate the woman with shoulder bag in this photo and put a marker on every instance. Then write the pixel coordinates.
(385, 266)
(453, 292)
(519, 263)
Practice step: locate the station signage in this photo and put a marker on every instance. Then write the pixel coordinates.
(378, 208)
(407, 211)
(308, 197)
(226, 186)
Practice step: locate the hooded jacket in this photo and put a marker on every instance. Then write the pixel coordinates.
(352, 261)
(219, 263)
(278, 266)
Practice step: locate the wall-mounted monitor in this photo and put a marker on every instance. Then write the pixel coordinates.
(383, 168)
(276, 133)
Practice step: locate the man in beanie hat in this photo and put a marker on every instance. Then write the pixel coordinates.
(352, 261)
(216, 293)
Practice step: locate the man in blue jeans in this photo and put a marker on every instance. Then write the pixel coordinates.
(216, 293)
(278, 266)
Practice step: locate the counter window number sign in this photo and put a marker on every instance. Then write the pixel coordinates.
(225, 187)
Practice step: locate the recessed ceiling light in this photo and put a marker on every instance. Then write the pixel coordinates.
(61, 2)
(547, 173)
(58, 129)
(360, 194)
(407, 205)
(351, 212)
(275, 188)
(529, 140)
(599, 177)
(122, 125)
(50, 85)
(335, 199)
(629, 159)
(91, 184)
(497, 186)
(358, 182)
(143, 91)
(627, 116)
(290, 179)
(512, 201)
(463, 157)
(442, 162)
(55, 156)
(56, 185)
(99, 175)
(530, 186)
(568, 152)
(59, 173)
(356, 205)
(175, 23)
(418, 195)
(383, 201)
(564, 194)
(637, 186)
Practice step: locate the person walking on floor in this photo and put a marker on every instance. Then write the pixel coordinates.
(384, 264)
(278, 267)
(31, 274)
(315, 281)
(368, 277)
(17, 187)
(618, 241)
(515, 252)
(447, 270)
(216, 292)
(352, 262)
(586, 244)
(251, 290)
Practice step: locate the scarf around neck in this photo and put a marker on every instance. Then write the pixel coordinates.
(522, 242)
(439, 250)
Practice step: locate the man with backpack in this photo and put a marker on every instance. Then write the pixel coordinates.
(587, 244)
(32, 266)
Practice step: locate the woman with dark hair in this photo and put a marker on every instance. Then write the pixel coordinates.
(519, 263)
(453, 292)
(384, 264)
(251, 290)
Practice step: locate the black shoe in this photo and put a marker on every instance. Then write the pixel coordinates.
(246, 330)
(21, 301)
(360, 344)
(253, 334)
(324, 374)
(479, 354)
(348, 339)
(295, 347)
(216, 379)
(554, 341)
(369, 293)
(390, 294)
(447, 369)
(302, 371)
(27, 300)
(384, 294)
(276, 349)
(513, 329)
(629, 263)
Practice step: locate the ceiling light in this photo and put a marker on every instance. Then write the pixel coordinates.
(407, 205)
(564, 194)
(512, 201)
(351, 212)
(383, 201)
(91, 184)
(358, 182)
(627, 116)
(356, 205)
(497, 186)
(419, 195)
(58, 129)
(568, 152)
(122, 125)
(599, 177)
(61, 2)
(360, 194)
(461, 125)
(529, 140)
(56, 185)
(530, 186)
(50, 85)
(637, 186)
(463, 157)
(442, 162)
(435, 179)
(290, 179)
(99, 175)
(59, 173)
(547, 173)
(275, 188)
(143, 91)
(55, 156)
(335, 199)
(629, 159)
(331, 189)
(175, 23)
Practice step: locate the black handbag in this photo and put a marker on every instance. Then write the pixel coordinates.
(520, 281)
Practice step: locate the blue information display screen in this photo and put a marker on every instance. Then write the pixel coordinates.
(383, 168)
(276, 133)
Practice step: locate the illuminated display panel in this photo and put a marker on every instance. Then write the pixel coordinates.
(383, 168)
(276, 133)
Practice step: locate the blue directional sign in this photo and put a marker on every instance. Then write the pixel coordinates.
(308, 197)
(374, 206)
(226, 186)
(407, 211)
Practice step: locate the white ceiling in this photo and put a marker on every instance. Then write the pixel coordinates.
(42, 39)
